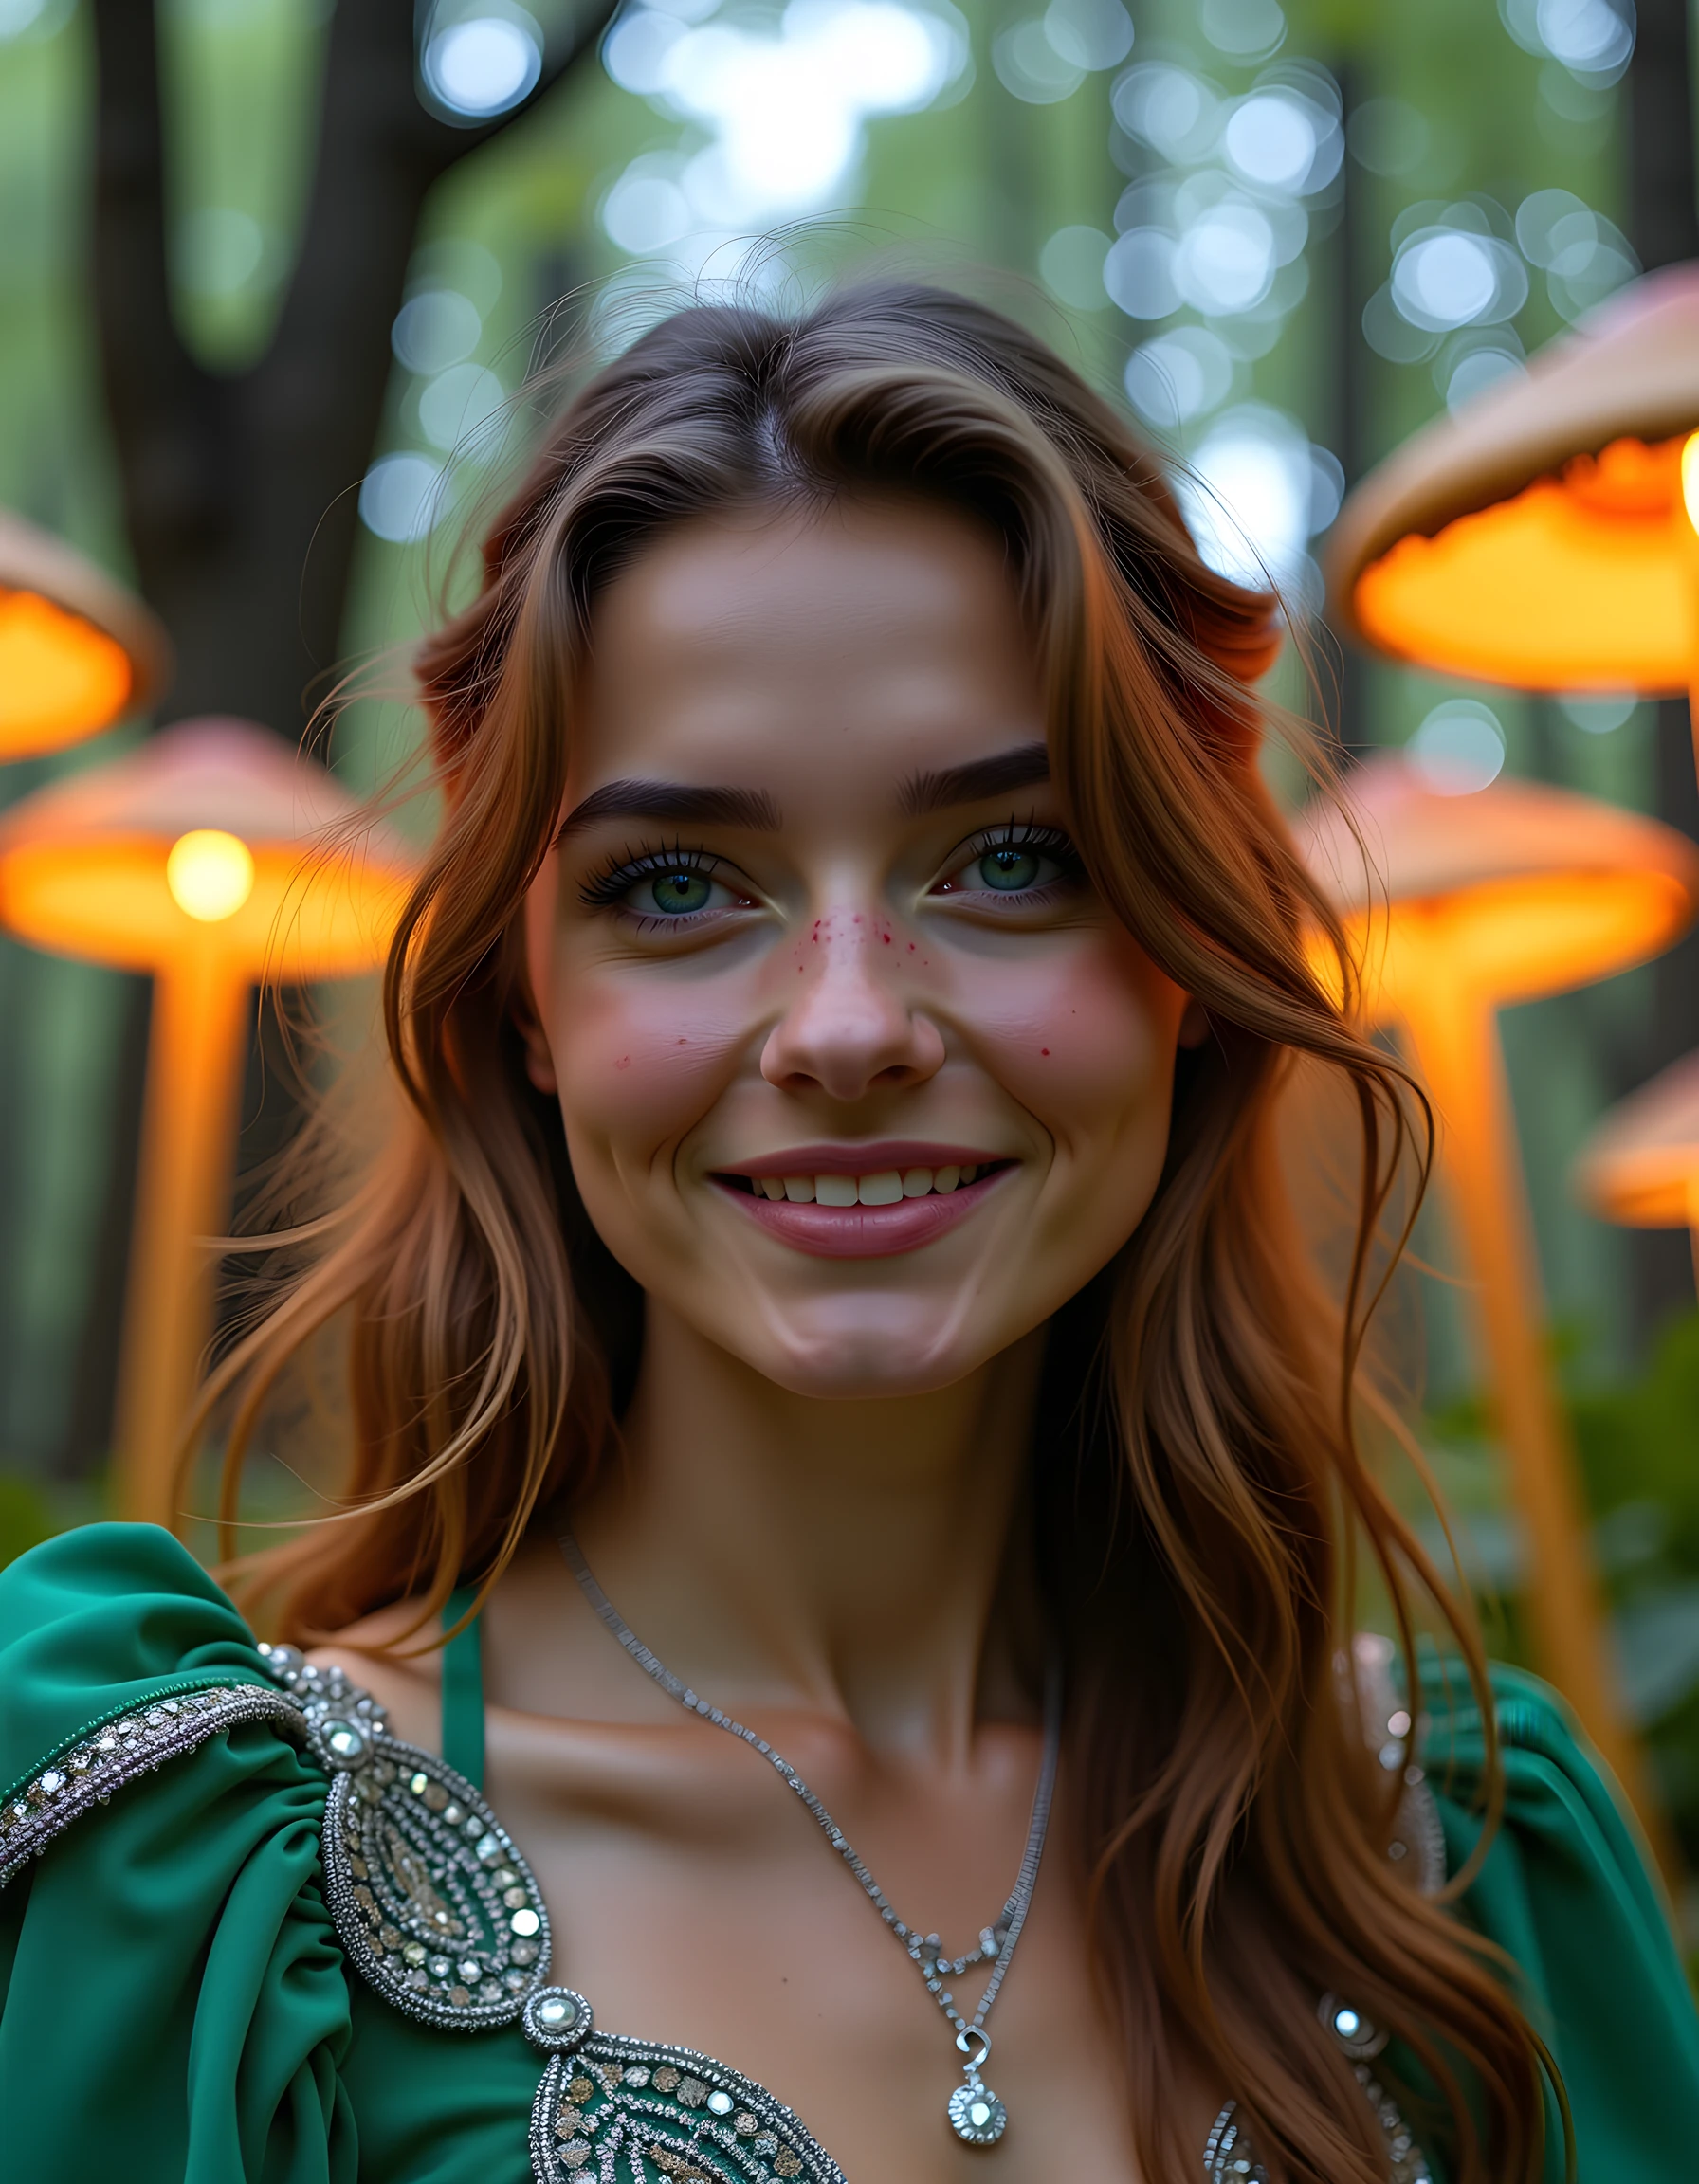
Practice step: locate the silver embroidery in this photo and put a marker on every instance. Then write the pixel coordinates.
(120, 1751)
(431, 1901)
(634, 2110)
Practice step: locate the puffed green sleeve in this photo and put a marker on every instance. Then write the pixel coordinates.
(1566, 1890)
(173, 2007)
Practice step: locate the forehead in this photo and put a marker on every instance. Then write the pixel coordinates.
(806, 650)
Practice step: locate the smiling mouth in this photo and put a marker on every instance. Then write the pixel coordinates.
(883, 1186)
(864, 1212)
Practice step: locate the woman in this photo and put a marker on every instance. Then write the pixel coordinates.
(833, 1262)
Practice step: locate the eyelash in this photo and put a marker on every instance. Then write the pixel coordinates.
(618, 878)
(1024, 834)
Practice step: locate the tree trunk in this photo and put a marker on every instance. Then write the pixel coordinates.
(240, 491)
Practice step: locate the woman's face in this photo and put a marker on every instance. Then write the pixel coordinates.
(859, 1075)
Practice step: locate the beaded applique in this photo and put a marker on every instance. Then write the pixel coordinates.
(431, 1901)
(106, 1758)
(634, 2109)
(440, 1914)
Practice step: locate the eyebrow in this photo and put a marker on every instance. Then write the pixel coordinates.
(1022, 768)
(678, 800)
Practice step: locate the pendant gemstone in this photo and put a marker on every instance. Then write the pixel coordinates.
(976, 2115)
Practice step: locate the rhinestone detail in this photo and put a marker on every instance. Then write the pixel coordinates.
(433, 1902)
(634, 2109)
(113, 1754)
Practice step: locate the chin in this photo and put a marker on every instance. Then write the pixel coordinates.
(903, 1349)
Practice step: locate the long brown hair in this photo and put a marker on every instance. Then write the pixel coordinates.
(1199, 1489)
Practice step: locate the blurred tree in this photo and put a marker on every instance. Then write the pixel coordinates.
(239, 488)
(1664, 228)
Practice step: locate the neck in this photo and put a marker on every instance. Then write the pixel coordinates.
(855, 1558)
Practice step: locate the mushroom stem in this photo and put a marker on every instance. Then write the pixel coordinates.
(196, 1046)
(1454, 1040)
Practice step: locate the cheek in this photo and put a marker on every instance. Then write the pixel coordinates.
(639, 1062)
(1085, 1043)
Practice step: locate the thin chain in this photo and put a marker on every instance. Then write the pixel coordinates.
(921, 1949)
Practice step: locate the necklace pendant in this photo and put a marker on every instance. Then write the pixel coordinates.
(976, 2115)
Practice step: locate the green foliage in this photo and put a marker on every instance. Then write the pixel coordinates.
(1638, 1441)
(26, 1519)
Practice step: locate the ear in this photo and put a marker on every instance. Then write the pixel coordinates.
(1194, 1023)
(540, 1059)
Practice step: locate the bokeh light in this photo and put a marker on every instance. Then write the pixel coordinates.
(1598, 716)
(1593, 39)
(211, 874)
(1255, 492)
(1179, 376)
(403, 498)
(435, 329)
(1245, 30)
(464, 403)
(484, 65)
(1071, 267)
(785, 107)
(1458, 749)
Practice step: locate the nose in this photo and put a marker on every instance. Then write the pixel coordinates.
(850, 1027)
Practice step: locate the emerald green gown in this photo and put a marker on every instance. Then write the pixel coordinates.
(176, 2006)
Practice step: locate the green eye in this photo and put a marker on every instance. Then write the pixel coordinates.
(1010, 866)
(676, 894)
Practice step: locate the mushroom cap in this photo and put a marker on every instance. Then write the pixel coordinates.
(77, 650)
(83, 861)
(1512, 891)
(1537, 537)
(1640, 1165)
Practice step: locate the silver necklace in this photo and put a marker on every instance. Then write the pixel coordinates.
(975, 2111)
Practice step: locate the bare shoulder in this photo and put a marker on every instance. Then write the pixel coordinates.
(393, 1655)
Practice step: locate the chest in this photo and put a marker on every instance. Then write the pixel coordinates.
(737, 2006)
(756, 1945)
(701, 1913)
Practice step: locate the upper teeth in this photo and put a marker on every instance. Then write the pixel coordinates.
(885, 1189)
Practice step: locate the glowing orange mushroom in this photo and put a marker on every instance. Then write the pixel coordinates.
(77, 650)
(212, 857)
(1541, 536)
(1459, 905)
(1641, 1164)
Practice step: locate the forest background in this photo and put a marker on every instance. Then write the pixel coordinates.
(1225, 211)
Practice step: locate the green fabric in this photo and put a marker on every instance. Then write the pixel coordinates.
(462, 1689)
(175, 2007)
(1566, 1890)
